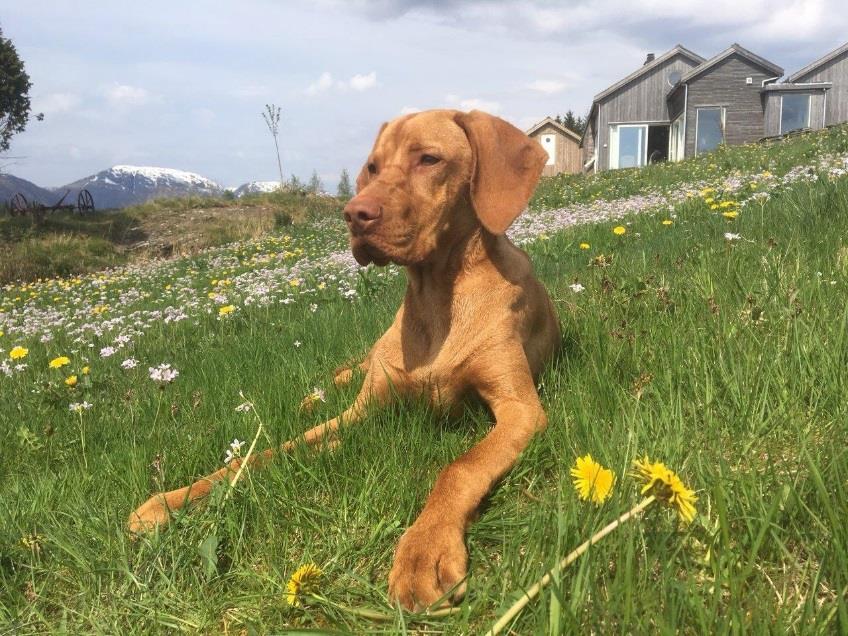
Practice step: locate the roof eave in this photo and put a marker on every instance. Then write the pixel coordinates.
(816, 64)
(677, 50)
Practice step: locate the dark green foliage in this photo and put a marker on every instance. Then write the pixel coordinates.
(345, 190)
(14, 93)
(572, 122)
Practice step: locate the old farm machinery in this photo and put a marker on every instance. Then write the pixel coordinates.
(19, 206)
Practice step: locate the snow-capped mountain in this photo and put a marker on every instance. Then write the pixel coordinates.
(255, 187)
(120, 186)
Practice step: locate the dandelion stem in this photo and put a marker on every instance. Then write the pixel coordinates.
(531, 593)
(246, 459)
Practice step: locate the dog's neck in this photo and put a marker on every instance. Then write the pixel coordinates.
(433, 286)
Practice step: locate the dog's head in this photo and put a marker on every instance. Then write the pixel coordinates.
(434, 177)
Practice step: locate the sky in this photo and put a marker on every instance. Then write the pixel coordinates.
(182, 84)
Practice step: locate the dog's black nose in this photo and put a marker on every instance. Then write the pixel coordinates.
(361, 212)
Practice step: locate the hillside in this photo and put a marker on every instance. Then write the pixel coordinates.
(704, 317)
(11, 185)
(65, 244)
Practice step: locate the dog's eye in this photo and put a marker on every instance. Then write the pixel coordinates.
(429, 160)
(372, 168)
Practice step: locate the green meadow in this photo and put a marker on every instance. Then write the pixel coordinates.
(711, 335)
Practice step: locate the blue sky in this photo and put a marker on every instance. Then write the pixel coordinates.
(181, 84)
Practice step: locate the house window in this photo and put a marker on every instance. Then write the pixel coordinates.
(794, 112)
(709, 129)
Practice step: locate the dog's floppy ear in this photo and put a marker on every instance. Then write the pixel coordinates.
(507, 165)
(364, 176)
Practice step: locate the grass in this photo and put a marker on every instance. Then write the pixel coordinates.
(723, 358)
(66, 244)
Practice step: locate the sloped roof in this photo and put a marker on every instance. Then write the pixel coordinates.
(819, 62)
(555, 124)
(677, 50)
(733, 49)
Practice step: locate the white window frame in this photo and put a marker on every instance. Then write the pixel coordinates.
(809, 112)
(698, 110)
(677, 143)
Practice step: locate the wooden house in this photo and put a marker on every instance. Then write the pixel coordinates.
(562, 145)
(719, 102)
(681, 105)
(628, 124)
(813, 97)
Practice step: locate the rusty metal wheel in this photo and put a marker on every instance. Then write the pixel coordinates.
(18, 206)
(85, 202)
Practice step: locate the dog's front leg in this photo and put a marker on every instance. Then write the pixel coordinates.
(431, 559)
(156, 511)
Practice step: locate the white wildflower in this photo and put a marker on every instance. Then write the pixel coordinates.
(129, 363)
(576, 288)
(163, 374)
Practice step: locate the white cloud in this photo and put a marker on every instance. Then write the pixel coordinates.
(409, 110)
(325, 82)
(548, 87)
(357, 83)
(363, 82)
(56, 103)
(126, 95)
(472, 103)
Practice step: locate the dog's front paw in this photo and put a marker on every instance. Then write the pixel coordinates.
(430, 563)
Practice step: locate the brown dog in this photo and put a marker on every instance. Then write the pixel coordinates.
(436, 195)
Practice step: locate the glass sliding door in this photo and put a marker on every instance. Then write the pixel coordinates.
(709, 129)
(628, 146)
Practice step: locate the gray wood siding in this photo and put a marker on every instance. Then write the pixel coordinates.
(835, 71)
(772, 110)
(643, 100)
(724, 85)
(567, 157)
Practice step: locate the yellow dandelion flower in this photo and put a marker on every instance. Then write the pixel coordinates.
(665, 485)
(714, 206)
(667, 222)
(226, 309)
(592, 480)
(18, 352)
(71, 381)
(85, 370)
(303, 581)
(1, 333)
(727, 204)
(709, 200)
(585, 246)
(730, 214)
(294, 282)
(618, 230)
(58, 363)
